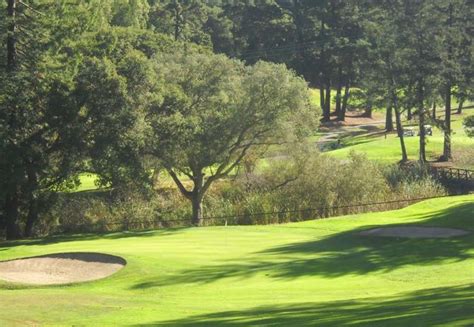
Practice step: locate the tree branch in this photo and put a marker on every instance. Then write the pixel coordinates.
(223, 171)
(186, 173)
(31, 8)
(184, 191)
(286, 182)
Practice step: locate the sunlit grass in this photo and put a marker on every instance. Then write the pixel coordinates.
(386, 148)
(303, 274)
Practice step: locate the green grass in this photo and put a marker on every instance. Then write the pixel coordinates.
(88, 182)
(315, 96)
(387, 150)
(315, 273)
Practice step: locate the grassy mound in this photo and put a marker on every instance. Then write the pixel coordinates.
(313, 273)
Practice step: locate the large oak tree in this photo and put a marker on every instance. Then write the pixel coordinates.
(215, 111)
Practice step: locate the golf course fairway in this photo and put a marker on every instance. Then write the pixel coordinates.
(313, 273)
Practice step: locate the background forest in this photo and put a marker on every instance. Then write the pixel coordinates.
(182, 111)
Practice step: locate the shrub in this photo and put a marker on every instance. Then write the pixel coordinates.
(118, 211)
(289, 190)
(464, 157)
(281, 193)
(468, 124)
(412, 181)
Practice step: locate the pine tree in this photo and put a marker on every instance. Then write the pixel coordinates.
(39, 143)
(455, 55)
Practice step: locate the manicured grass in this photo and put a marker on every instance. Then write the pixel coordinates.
(387, 149)
(315, 273)
(88, 182)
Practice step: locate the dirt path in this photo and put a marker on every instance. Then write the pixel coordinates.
(332, 133)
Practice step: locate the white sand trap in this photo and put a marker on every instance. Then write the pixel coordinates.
(414, 232)
(60, 268)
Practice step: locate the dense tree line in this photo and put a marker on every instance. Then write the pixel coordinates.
(122, 101)
(128, 88)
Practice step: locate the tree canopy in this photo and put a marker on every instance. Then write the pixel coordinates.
(216, 110)
(125, 88)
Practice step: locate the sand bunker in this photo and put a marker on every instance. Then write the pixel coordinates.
(60, 268)
(414, 232)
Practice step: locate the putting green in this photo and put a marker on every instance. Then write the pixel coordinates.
(319, 273)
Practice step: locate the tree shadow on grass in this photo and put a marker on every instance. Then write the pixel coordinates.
(340, 254)
(89, 237)
(350, 138)
(448, 305)
(366, 134)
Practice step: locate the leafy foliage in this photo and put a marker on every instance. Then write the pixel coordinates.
(469, 125)
(125, 89)
(216, 110)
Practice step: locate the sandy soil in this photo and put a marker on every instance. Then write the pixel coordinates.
(355, 119)
(414, 232)
(330, 134)
(61, 268)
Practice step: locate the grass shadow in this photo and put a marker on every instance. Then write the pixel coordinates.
(341, 254)
(449, 306)
(89, 237)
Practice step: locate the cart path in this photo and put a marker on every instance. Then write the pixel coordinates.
(338, 132)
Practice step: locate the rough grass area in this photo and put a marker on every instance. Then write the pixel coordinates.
(316, 273)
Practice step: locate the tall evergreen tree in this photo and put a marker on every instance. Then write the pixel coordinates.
(455, 51)
(42, 128)
(35, 119)
(418, 25)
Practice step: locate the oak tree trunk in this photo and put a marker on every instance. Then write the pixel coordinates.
(197, 209)
(197, 195)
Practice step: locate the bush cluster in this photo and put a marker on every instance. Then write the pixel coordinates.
(288, 190)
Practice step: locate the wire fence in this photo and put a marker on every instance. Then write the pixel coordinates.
(261, 218)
